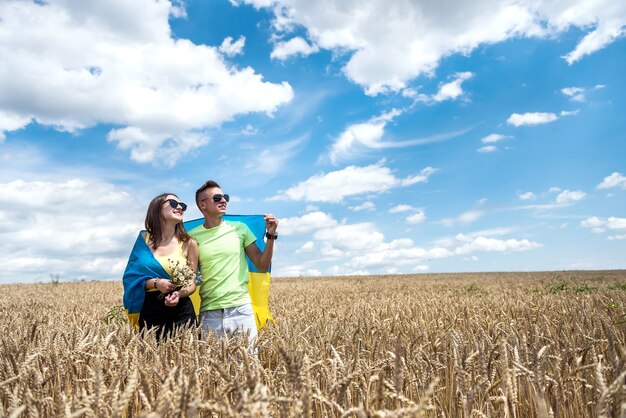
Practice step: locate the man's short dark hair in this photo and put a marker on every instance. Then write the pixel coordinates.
(209, 184)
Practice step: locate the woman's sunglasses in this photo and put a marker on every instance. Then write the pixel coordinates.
(174, 204)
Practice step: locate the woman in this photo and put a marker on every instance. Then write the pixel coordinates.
(163, 245)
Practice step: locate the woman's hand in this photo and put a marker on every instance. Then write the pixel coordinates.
(172, 299)
(165, 286)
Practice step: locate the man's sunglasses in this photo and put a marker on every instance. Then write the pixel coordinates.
(218, 198)
(174, 204)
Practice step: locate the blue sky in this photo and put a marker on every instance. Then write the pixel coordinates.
(398, 137)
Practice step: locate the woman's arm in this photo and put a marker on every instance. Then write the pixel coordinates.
(164, 286)
(192, 259)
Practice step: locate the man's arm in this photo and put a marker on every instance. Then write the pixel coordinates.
(263, 259)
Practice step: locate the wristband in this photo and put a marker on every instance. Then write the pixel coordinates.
(155, 283)
(270, 236)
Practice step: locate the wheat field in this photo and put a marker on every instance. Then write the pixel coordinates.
(546, 344)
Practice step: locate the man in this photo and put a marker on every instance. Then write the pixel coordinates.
(225, 306)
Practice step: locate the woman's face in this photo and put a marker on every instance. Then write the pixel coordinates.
(169, 213)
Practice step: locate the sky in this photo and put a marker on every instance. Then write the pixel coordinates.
(387, 137)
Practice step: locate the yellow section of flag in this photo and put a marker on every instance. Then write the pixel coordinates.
(259, 288)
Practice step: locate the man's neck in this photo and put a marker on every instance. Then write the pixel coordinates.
(213, 221)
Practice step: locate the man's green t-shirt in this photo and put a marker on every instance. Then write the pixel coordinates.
(223, 264)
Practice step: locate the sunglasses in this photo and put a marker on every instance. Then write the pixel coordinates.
(218, 198)
(174, 204)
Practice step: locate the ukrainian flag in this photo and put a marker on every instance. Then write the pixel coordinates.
(142, 266)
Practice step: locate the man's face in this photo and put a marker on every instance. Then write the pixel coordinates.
(208, 203)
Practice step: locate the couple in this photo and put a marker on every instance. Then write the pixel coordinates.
(219, 247)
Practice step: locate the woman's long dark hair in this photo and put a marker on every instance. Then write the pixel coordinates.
(153, 222)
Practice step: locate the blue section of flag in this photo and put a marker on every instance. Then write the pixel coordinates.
(141, 266)
(256, 223)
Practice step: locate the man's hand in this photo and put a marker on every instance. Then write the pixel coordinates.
(172, 299)
(271, 223)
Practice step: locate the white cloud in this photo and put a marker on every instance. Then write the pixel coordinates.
(492, 138)
(416, 218)
(75, 228)
(294, 46)
(360, 138)
(145, 147)
(117, 63)
(452, 90)
(466, 217)
(569, 113)
(487, 149)
(401, 208)
(600, 225)
(492, 244)
(614, 180)
(11, 122)
(470, 216)
(361, 135)
(527, 196)
(306, 223)
(178, 9)
(306, 247)
(468, 237)
(607, 29)
(352, 180)
(362, 248)
(369, 206)
(388, 44)
(361, 245)
(329, 251)
(249, 130)
(563, 198)
(529, 119)
(616, 223)
(346, 270)
(567, 196)
(487, 233)
(404, 253)
(592, 222)
(576, 94)
(294, 271)
(398, 256)
(543, 207)
(422, 177)
(230, 48)
(353, 237)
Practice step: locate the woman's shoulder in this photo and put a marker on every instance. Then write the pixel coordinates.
(191, 243)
